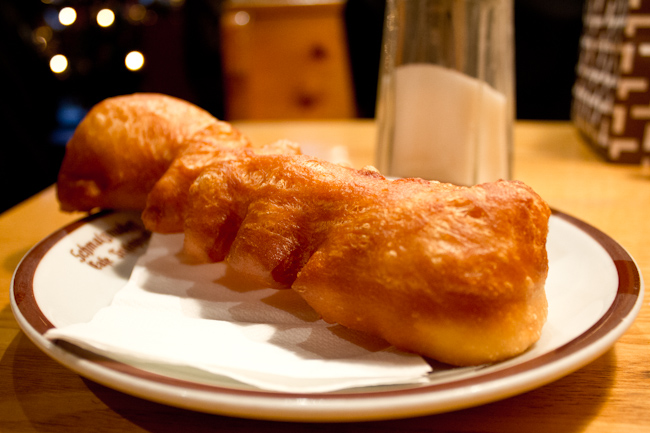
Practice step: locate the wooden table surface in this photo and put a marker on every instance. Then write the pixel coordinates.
(612, 394)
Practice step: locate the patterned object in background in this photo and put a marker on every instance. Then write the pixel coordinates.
(611, 96)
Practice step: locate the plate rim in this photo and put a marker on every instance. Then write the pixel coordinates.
(375, 405)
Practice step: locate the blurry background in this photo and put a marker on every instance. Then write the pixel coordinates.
(238, 59)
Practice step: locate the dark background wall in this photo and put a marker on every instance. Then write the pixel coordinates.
(38, 111)
(547, 34)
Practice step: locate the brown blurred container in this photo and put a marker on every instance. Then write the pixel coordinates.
(286, 59)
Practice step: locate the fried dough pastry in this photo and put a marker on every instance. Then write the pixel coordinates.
(125, 144)
(167, 201)
(453, 273)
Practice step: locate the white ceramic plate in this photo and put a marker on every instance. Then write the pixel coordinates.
(594, 288)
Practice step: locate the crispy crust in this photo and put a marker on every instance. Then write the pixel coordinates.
(124, 145)
(453, 273)
(167, 201)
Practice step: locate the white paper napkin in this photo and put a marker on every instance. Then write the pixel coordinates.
(201, 316)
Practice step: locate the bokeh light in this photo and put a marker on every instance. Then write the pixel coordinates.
(134, 60)
(67, 16)
(41, 36)
(58, 63)
(105, 18)
(242, 18)
(137, 12)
